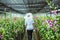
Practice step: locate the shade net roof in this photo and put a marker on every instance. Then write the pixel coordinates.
(24, 6)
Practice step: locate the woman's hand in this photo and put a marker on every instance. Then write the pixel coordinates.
(35, 29)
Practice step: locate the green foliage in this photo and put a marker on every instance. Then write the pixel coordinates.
(46, 33)
(58, 18)
(9, 28)
(51, 4)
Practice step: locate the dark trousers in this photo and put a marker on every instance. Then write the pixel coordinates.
(29, 33)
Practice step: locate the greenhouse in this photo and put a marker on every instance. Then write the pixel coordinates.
(29, 19)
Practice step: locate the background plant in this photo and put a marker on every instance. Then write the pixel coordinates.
(9, 28)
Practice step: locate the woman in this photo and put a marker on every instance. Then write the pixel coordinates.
(29, 25)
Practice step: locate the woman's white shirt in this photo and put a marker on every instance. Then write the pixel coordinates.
(29, 23)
